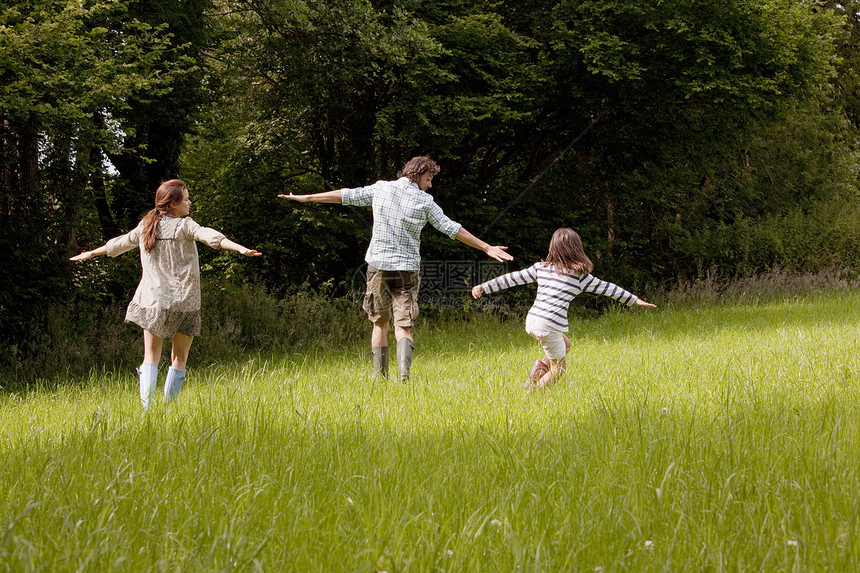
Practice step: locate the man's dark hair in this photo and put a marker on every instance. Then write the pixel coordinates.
(418, 166)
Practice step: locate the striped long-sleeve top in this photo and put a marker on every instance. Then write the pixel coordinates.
(555, 291)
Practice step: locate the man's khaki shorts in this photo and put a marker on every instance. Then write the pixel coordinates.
(392, 290)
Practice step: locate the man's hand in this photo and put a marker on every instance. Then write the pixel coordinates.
(291, 197)
(498, 253)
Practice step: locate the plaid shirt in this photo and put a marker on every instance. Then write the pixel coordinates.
(400, 211)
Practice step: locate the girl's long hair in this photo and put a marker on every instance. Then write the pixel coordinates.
(566, 254)
(167, 196)
(418, 166)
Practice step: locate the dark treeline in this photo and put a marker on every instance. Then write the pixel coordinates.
(676, 136)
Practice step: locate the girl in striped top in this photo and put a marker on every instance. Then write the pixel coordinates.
(564, 274)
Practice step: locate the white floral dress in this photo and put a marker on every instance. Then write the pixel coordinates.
(167, 299)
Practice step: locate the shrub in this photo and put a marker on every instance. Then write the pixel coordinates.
(237, 320)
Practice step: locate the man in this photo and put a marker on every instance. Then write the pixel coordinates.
(401, 208)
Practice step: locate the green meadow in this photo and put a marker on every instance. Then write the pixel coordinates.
(689, 438)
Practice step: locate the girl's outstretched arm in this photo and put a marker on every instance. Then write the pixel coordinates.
(231, 246)
(640, 302)
(477, 290)
(90, 254)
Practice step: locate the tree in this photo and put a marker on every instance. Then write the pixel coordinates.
(341, 92)
(69, 71)
(156, 121)
(682, 87)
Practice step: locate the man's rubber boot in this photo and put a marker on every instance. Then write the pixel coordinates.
(380, 361)
(404, 358)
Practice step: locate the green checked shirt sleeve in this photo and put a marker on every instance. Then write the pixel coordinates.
(400, 212)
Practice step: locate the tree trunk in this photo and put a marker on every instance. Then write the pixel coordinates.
(7, 161)
(28, 185)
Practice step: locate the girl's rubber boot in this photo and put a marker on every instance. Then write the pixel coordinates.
(173, 384)
(380, 361)
(404, 358)
(148, 374)
(538, 370)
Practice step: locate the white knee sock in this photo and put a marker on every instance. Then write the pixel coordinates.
(148, 374)
(173, 384)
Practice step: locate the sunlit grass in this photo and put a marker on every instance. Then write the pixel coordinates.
(684, 439)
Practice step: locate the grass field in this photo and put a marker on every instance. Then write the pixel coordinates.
(717, 438)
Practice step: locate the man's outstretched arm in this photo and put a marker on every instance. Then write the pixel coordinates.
(326, 197)
(496, 252)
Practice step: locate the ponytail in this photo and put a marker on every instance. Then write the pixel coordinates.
(169, 194)
(150, 222)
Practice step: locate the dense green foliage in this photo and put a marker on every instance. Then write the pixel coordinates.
(711, 120)
(688, 439)
(675, 136)
(81, 82)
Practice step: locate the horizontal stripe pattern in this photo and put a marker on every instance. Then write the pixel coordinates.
(555, 291)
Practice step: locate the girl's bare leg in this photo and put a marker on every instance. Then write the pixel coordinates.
(152, 346)
(178, 359)
(179, 351)
(148, 371)
(567, 345)
(556, 370)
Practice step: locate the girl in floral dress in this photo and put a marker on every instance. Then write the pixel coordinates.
(167, 301)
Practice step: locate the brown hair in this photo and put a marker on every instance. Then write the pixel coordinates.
(418, 166)
(167, 196)
(566, 253)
